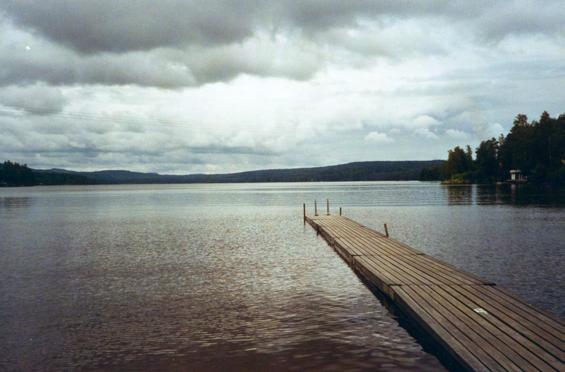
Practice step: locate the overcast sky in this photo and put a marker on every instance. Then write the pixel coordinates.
(213, 86)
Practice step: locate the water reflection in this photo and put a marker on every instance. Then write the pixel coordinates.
(13, 202)
(190, 287)
(530, 194)
(459, 194)
(526, 195)
(169, 277)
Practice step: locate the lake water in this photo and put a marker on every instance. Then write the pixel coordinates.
(227, 277)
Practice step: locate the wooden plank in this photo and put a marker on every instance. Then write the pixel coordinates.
(496, 333)
(545, 320)
(387, 246)
(383, 238)
(392, 249)
(382, 280)
(481, 326)
(403, 274)
(438, 271)
(368, 248)
(459, 271)
(374, 241)
(420, 273)
(472, 338)
(441, 270)
(382, 245)
(455, 343)
(511, 333)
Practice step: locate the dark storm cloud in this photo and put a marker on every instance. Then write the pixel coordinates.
(174, 43)
(126, 25)
(156, 68)
(26, 58)
(60, 67)
(118, 26)
(315, 15)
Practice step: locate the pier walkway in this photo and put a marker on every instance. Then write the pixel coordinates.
(479, 325)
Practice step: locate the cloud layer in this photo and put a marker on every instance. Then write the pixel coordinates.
(190, 86)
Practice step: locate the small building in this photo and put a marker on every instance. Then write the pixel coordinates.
(517, 176)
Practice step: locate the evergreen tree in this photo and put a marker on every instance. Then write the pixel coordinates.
(536, 148)
(458, 162)
(487, 160)
(14, 174)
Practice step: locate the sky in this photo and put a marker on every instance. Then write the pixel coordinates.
(213, 86)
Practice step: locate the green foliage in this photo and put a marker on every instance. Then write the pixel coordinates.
(54, 178)
(359, 171)
(432, 173)
(14, 174)
(458, 162)
(536, 148)
(460, 178)
(487, 161)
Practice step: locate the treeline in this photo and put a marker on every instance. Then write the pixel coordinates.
(359, 171)
(535, 148)
(356, 171)
(14, 174)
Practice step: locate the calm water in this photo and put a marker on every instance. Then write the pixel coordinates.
(212, 277)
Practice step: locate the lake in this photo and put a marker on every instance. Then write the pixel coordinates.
(227, 277)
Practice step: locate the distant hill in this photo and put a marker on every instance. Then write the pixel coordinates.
(14, 174)
(109, 176)
(46, 177)
(358, 171)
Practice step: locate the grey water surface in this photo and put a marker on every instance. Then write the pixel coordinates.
(227, 277)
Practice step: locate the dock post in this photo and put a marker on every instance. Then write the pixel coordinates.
(304, 212)
(315, 208)
(340, 211)
(386, 230)
(327, 207)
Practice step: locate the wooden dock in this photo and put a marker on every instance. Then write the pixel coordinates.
(480, 326)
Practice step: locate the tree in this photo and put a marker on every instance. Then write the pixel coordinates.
(431, 174)
(487, 160)
(536, 148)
(521, 120)
(458, 162)
(517, 150)
(469, 157)
(14, 174)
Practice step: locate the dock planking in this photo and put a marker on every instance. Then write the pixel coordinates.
(480, 326)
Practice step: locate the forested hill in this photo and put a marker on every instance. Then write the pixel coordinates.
(359, 171)
(536, 148)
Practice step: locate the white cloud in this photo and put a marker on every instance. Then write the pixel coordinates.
(425, 121)
(488, 130)
(37, 99)
(377, 137)
(426, 133)
(229, 86)
(457, 134)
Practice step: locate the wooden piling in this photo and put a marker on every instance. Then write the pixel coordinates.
(386, 231)
(340, 211)
(304, 212)
(315, 208)
(327, 207)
